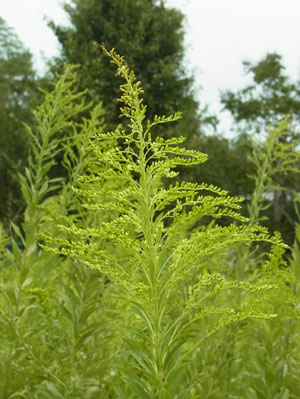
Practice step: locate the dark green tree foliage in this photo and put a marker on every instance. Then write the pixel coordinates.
(150, 35)
(268, 99)
(17, 84)
(227, 163)
(265, 102)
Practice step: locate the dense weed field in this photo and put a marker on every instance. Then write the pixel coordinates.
(124, 281)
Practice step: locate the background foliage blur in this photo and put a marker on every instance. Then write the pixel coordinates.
(151, 37)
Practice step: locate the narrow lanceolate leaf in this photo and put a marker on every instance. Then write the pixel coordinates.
(136, 384)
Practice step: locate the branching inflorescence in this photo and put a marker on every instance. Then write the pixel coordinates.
(152, 246)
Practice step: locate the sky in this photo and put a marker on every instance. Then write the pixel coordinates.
(220, 34)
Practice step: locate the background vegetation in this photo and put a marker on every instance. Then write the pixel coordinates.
(74, 201)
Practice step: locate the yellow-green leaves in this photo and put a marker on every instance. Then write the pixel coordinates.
(155, 244)
(273, 156)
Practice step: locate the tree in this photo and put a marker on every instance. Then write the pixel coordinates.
(17, 88)
(268, 99)
(266, 102)
(150, 35)
(228, 163)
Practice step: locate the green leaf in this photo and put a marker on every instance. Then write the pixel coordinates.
(141, 353)
(135, 383)
(50, 387)
(18, 232)
(142, 315)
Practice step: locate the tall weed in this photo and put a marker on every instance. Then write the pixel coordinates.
(121, 291)
(155, 254)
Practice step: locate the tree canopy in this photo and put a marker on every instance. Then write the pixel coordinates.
(17, 88)
(268, 99)
(151, 36)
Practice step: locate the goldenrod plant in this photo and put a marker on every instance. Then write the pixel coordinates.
(270, 369)
(273, 155)
(121, 284)
(295, 258)
(153, 251)
(48, 304)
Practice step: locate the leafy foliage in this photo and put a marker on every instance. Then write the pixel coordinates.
(174, 305)
(271, 96)
(265, 103)
(120, 289)
(17, 93)
(151, 35)
(45, 337)
(274, 156)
